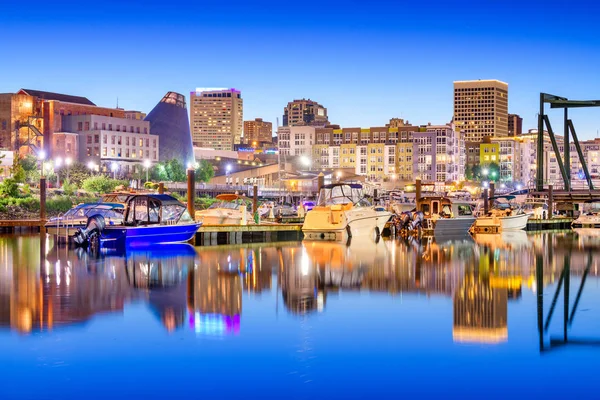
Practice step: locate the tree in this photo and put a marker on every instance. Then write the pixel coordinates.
(468, 173)
(494, 171)
(205, 171)
(171, 171)
(17, 171)
(9, 188)
(77, 172)
(476, 171)
(102, 184)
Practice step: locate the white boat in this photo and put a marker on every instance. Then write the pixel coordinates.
(504, 215)
(535, 207)
(445, 216)
(228, 210)
(589, 217)
(342, 212)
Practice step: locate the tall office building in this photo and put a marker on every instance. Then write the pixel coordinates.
(258, 131)
(216, 118)
(515, 125)
(305, 112)
(481, 108)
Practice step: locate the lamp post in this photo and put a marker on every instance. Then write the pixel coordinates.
(114, 167)
(68, 162)
(147, 164)
(57, 164)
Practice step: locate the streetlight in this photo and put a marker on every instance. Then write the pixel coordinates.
(42, 158)
(147, 164)
(305, 160)
(114, 167)
(68, 162)
(339, 175)
(485, 171)
(91, 166)
(57, 164)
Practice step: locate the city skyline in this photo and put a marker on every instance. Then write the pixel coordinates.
(365, 68)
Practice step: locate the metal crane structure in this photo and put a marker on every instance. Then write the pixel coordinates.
(569, 129)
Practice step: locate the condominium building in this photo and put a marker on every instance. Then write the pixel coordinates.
(258, 131)
(296, 140)
(305, 112)
(481, 108)
(216, 118)
(105, 141)
(29, 118)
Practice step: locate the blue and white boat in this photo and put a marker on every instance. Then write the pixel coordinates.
(150, 219)
(77, 217)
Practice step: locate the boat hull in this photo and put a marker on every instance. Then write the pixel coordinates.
(452, 226)
(134, 236)
(325, 224)
(508, 223)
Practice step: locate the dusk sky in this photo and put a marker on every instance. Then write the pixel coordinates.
(366, 61)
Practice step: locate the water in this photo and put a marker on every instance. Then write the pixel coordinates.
(453, 318)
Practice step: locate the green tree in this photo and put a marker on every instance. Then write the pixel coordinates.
(171, 171)
(494, 171)
(9, 188)
(468, 173)
(476, 171)
(102, 184)
(17, 171)
(205, 171)
(78, 172)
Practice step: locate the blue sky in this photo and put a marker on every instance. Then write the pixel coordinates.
(366, 61)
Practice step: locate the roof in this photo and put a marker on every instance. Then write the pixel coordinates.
(352, 185)
(163, 198)
(58, 97)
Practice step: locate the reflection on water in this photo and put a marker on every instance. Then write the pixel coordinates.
(303, 304)
(43, 286)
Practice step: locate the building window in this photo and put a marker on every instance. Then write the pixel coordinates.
(80, 126)
(110, 127)
(87, 125)
(96, 139)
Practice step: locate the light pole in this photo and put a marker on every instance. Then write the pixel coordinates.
(147, 164)
(57, 164)
(114, 167)
(68, 162)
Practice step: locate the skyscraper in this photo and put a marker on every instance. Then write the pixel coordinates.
(258, 131)
(305, 112)
(515, 125)
(168, 119)
(481, 108)
(216, 117)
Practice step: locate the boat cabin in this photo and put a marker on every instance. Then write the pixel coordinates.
(342, 193)
(443, 207)
(155, 209)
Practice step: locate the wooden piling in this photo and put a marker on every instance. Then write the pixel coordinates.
(161, 188)
(418, 193)
(191, 194)
(320, 182)
(550, 201)
(492, 189)
(254, 199)
(42, 201)
(486, 206)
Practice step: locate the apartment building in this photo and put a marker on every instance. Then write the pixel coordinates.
(305, 112)
(258, 131)
(296, 140)
(216, 118)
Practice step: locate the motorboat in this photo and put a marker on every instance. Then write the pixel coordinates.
(230, 209)
(505, 215)
(440, 215)
(150, 219)
(589, 217)
(77, 217)
(342, 212)
(283, 210)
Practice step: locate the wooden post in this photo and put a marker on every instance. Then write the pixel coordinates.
(375, 196)
(550, 201)
(418, 193)
(486, 206)
(42, 201)
(191, 191)
(161, 188)
(254, 199)
(320, 182)
(492, 189)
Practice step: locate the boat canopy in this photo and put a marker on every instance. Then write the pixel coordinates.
(231, 197)
(342, 193)
(155, 209)
(504, 197)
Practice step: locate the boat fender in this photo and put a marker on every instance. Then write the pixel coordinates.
(349, 231)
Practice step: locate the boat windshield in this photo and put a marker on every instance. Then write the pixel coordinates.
(591, 207)
(230, 205)
(341, 194)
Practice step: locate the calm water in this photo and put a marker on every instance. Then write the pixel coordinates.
(457, 318)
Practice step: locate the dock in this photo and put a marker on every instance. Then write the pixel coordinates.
(535, 224)
(209, 235)
(20, 225)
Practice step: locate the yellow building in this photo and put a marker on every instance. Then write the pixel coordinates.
(348, 155)
(320, 156)
(489, 153)
(404, 161)
(376, 160)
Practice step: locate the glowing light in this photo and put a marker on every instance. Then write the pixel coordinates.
(68, 160)
(519, 187)
(114, 166)
(305, 160)
(58, 162)
(485, 171)
(147, 163)
(42, 155)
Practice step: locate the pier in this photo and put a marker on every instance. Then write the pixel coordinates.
(208, 235)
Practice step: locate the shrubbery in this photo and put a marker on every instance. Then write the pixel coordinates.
(102, 184)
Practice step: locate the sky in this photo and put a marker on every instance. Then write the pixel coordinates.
(366, 61)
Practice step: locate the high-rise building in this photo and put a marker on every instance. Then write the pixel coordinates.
(216, 117)
(169, 120)
(258, 131)
(515, 125)
(481, 108)
(305, 112)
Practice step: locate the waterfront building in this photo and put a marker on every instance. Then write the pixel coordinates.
(216, 117)
(481, 108)
(305, 112)
(296, 140)
(515, 125)
(169, 121)
(29, 118)
(257, 132)
(107, 141)
(135, 115)
(489, 152)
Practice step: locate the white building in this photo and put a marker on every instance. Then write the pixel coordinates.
(107, 141)
(296, 140)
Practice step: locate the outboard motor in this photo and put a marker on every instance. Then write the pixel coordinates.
(93, 228)
(417, 220)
